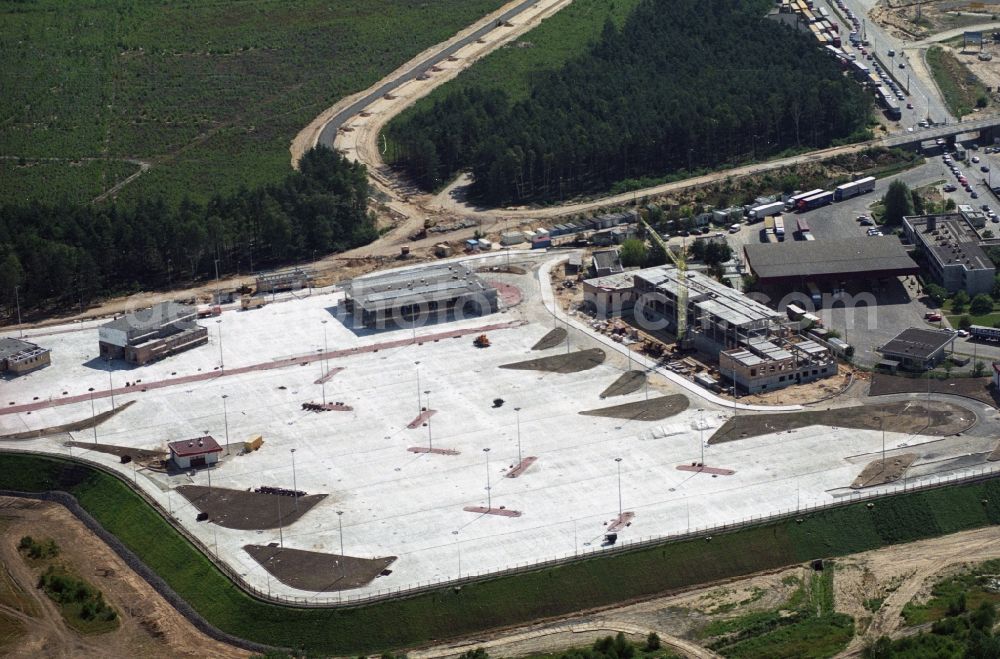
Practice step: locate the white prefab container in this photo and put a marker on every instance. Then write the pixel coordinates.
(485, 244)
(541, 231)
(529, 234)
(512, 238)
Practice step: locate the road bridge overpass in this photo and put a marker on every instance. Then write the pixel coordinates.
(988, 128)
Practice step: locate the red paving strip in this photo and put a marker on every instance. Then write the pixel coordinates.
(717, 471)
(502, 512)
(511, 295)
(521, 467)
(419, 421)
(621, 521)
(264, 366)
(436, 451)
(329, 374)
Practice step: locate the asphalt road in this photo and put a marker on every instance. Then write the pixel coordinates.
(329, 132)
(924, 97)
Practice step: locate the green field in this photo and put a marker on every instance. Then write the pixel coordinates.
(211, 92)
(503, 601)
(962, 91)
(75, 182)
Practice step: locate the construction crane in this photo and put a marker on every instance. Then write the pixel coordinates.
(680, 263)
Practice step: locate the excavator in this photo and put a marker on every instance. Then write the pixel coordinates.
(680, 262)
(482, 341)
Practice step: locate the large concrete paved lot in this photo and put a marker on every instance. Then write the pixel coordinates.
(398, 503)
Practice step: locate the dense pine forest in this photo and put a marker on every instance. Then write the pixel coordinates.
(65, 255)
(684, 85)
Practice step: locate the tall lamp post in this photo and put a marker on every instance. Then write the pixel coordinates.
(295, 485)
(225, 417)
(419, 407)
(340, 528)
(618, 461)
(430, 441)
(17, 301)
(222, 361)
(326, 349)
(93, 417)
(701, 436)
(489, 494)
(517, 414)
(111, 386)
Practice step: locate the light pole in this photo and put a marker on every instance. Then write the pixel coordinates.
(340, 528)
(322, 380)
(222, 361)
(281, 534)
(419, 406)
(225, 417)
(517, 414)
(295, 486)
(883, 439)
(701, 436)
(170, 278)
(217, 290)
(17, 301)
(489, 494)
(111, 386)
(430, 442)
(93, 417)
(326, 349)
(618, 461)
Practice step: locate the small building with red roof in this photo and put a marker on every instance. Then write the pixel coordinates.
(195, 453)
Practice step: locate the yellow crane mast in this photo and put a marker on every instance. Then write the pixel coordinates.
(680, 263)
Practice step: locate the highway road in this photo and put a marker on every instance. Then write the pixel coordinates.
(922, 91)
(329, 133)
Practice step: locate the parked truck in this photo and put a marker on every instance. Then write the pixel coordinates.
(815, 201)
(758, 213)
(248, 302)
(779, 227)
(854, 188)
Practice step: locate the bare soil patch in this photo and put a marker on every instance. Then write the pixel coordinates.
(75, 426)
(975, 388)
(654, 409)
(149, 627)
(905, 417)
(994, 454)
(138, 454)
(573, 362)
(316, 571)
(879, 472)
(551, 340)
(628, 382)
(248, 511)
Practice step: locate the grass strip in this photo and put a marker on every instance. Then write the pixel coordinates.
(503, 601)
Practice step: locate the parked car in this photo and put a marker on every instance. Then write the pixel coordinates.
(931, 316)
(962, 333)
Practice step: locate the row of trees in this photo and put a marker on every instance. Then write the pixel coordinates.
(63, 254)
(699, 84)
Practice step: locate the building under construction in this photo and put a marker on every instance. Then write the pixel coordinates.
(718, 317)
(774, 363)
(427, 294)
(151, 334)
(283, 280)
(18, 357)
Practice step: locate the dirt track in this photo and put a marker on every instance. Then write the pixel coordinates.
(898, 573)
(150, 626)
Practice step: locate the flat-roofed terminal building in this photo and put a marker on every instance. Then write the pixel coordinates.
(414, 295)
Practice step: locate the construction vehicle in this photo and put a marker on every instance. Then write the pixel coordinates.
(680, 262)
(248, 302)
(482, 341)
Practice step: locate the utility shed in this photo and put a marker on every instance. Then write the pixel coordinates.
(18, 356)
(419, 295)
(283, 280)
(195, 453)
(917, 349)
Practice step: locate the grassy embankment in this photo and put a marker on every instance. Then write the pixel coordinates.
(962, 91)
(211, 92)
(503, 601)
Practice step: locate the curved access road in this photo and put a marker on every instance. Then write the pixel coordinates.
(324, 129)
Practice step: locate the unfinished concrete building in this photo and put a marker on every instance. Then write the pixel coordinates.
(769, 364)
(18, 357)
(144, 336)
(415, 296)
(284, 280)
(718, 317)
